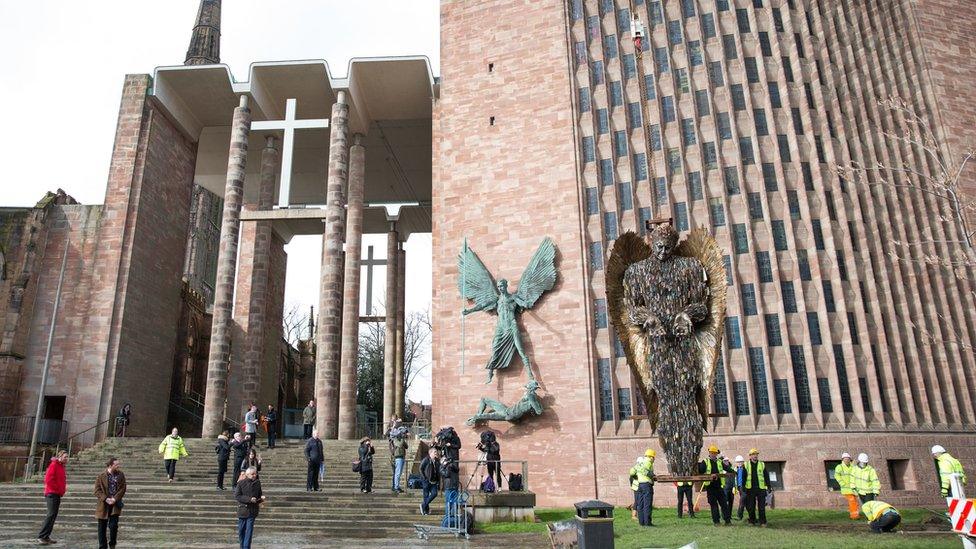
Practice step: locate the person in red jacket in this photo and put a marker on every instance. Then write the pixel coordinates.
(55, 485)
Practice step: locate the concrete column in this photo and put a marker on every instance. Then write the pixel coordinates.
(350, 305)
(213, 410)
(327, 358)
(389, 349)
(400, 327)
(257, 320)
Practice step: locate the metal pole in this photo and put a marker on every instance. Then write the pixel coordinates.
(47, 361)
(464, 301)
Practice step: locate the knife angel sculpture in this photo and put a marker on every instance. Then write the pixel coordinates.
(476, 284)
(667, 305)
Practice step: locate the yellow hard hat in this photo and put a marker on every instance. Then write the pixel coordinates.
(753, 452)
(650, 453)
(713, 449)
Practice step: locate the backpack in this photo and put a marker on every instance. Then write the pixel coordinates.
(488, 485)
(415, 482)
(514, 482)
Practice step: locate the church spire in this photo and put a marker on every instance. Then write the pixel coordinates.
(205, 42)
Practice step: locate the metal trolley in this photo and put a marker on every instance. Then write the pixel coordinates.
(457, 523)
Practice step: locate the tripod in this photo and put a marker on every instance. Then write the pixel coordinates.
(483, 462)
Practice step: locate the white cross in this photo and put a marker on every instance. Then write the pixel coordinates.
(289, 125)
(369, 263)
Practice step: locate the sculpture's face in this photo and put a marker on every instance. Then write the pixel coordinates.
(531, 386)
(664, 239)
(503, 286)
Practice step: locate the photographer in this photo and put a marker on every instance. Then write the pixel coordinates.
(448, 442)
(492, 450)
(366, 452)
(451, 482)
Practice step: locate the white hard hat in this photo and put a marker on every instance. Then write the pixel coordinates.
(938, 449)
(739, 459)
(845, 455)
(862, 457)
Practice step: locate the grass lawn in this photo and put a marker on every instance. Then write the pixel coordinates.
(787, 528)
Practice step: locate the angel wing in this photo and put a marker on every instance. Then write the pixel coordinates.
(708, 336)
(539, 276)
(474, 280)
(628, 249)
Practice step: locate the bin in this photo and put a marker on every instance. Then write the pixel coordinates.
(594, 524)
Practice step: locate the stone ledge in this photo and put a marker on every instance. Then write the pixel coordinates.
(503, 506)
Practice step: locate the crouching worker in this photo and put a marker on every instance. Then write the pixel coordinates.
(881, 516)
(643, 473)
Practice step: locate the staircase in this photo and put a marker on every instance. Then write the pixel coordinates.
(191, 512)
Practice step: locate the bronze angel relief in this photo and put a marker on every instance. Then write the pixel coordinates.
(667, 304)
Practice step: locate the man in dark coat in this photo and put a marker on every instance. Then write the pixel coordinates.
(109, 490)
(240, 454)
(431, 475)
(271, 419)
(222, 449)
(315, 456)
(249, 499)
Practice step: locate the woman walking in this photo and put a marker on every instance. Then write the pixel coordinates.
(122, 420)
(109, 489)
(366, 452)
(252, 460)
(172, 449)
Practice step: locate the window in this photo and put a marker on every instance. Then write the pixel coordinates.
(681, 79)
(732, 332)
(797, 121)
(779, 235)
(803, 264)
(674, 32)
(618, 347)
(616, 94)
(589, 150)
(738, 97)
(722, 5)
(741, 395)
(717, 211)
(667, 109)
(800, 379)
(788, 69)
(623, 403)
(695, 57)
(662, 60)
(720, 403)
(823, 390)
(661, 190)
(606, 6)
(657, 16)
(818, 237)
(789, 296)
(799, 45)
(681, 216)
(755, 206)
(602, 121)
(600, 308)
(688, 132)
(813, 322)
(769, 176)
(620, 143)
(778, 20)
(862, 383)
(596, 72)
(610, 225)
(649, 91)
(739, 235)
(701, 102)
(688, 8)
(708, 26)
(807, 176)
(752, 70)
(634, 115)
(643, 216)
(710, 157)
(655, 131)
(727, 262)
(596, 256)
(742, 19)
(610, 46)
(901, 475)
(724, 126)
(674, 161)
(577, 10)
(606, 172)
(580, 53)
(731, 176)
(584, 99)
(623, 19)
(592, 201)
(639, 162)
(828, 291)
(757, 367)
(746, 152)
(715, 74)
(626, 197)
(852, 324)
(775, 469)
(841, 265)
(845, 391)
(728, 46)
(821, 153)
(774, 97)
(764, 266)
(762, 127)
(606, 390)
(764, 45)
(794, 204)
(630, 66)
(773, 335)
(831, 209)
(749, 305)
(695, 186)
(784, 148)
(781, 388)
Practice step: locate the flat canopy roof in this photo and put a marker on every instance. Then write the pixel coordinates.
(390, 102)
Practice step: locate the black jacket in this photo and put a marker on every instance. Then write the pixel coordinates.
(430, 470)
(240, 449)
(271, 417)
(449, 473)
(366, 457)
(243, 492)
(223, 449)
(450, 443)
(313, 451)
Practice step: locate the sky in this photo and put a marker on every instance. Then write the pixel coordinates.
(65, 61)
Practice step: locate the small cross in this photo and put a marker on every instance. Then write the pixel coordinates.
(289, 125)
(369, 263)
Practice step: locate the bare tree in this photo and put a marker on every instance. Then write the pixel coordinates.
(296, 324)
(372, 340)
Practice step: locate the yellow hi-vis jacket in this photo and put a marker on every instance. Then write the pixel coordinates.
(947, 466)
(172, 447)
(843, 475)
(705, 468)
(643, 471)
(874, 509)
(760, 473)
(864, 480)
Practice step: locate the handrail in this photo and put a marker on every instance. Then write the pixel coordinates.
(70, 440)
